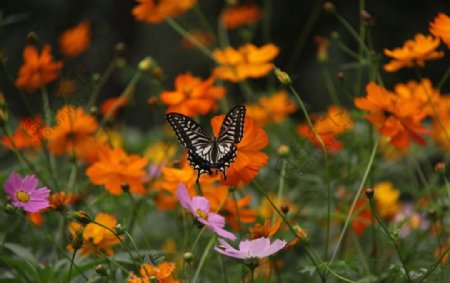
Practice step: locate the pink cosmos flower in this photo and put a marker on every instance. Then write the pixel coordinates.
(24, 192)
(248, 249)
(199, 207)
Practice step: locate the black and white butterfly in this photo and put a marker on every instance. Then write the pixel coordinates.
(206, 152)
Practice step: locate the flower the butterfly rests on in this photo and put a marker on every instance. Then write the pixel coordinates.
(206, 152)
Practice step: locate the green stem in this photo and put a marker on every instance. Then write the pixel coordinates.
(201, 16)
(197, 239)
(304, 34)
(281, 183)
(434, 266)
(390, 236)
(330, 85)
(106, 75)
(178, 28)
(203, 258)
(352, 31)
(355, 199)
(46, 105)
(444, 78)
(71, 265)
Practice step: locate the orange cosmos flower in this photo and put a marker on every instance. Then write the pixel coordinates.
(440, 27)
(75, 40)
(111, 106)
(96, 237)
(264, 231)
(37, 69)
(417, 97)
(156, 11)
(163, 273)
(249, 157)
(73, 132)
(27, 134)
(335, 122)
(60, 199)
(248, 61)
(115, 168)
(387, 199)
(35, 218)
(192, 96)
(414, 52)
(237, 16)
(271, 109)
(389, 116)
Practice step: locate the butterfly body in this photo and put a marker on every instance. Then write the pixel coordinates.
(206, 153)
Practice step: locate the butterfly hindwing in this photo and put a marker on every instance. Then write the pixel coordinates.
(204, 152)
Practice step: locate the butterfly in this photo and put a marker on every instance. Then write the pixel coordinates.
(206, 152)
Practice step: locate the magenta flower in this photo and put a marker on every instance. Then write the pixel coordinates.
(248, 249)
(24, 192)
(199, 207)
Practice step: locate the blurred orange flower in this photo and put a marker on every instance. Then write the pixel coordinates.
(162, 272)
(192, 96)
(390, 118)
(111, 106)
(75, 40)
(37, 69)
(115, 169)
(95, 237)
(61, 199)
(440, 27)
(264, 231)
(362, 217)
(156, 11)
(73, 132)
(27, 135)
(35, 218)
(336, 121)
(414, 52)
(417, 97)
(248, 61)
(237, 16)
(271, 109)
(249, 157)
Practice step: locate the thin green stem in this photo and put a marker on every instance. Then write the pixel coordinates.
(203, 258)
(390, 236)
(444, 78)
(303, 36)
(355, 199)
(178, 28)
(329, 84)
(46, 105)
(71, 265)
(201, 16)
(434, 265)
(106, 75)
(281, 183)
(194, 245)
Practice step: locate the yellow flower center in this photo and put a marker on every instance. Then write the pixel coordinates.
(23, 196)
(202, 214)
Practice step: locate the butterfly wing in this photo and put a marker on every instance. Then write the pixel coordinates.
(231, 133)
(195, 139)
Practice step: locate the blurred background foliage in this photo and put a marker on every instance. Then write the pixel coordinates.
(111, 22)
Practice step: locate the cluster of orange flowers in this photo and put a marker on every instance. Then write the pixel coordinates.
(273, 108)
(156, 11)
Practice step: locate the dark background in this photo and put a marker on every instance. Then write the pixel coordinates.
(112, 22)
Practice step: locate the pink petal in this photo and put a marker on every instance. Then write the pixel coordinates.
(184, 198)
(35, 206)
(258, 246)
(12, 184)
(216, 220)
(201, 203)
(224, 233)
(230, 254)
(40, 194)
(275, 247)
(29, 183)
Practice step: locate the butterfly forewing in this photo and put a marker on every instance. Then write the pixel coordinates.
(205, 153)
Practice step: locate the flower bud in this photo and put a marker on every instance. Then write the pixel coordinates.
(120, 229)
(188, 257)
(32, 37)
(341, 76)
(101, 270)
(366, 17)
(119, 47)
(81, 216)
(284, 208)
(9, 208)
(146, 64)
(3, 117)
(121, 63)
(152, 101)
(77, 240)
(329, 7)
(335, 35)
(283, 150)
(96, 77)
(282, 77)
(369, 193)
(439, 167)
